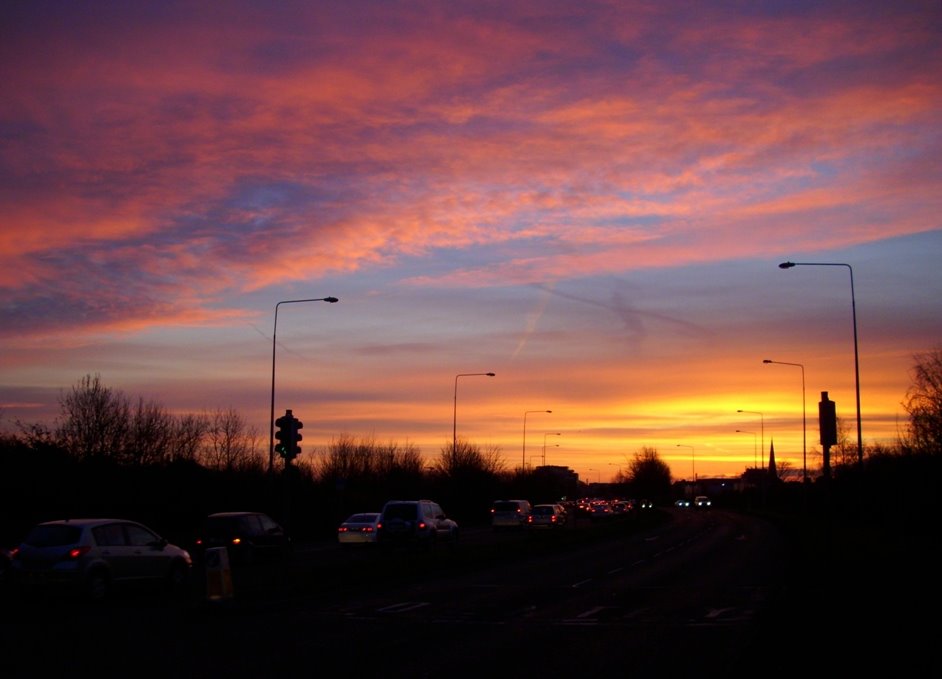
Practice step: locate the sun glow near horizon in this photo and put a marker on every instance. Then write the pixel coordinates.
(483, 193)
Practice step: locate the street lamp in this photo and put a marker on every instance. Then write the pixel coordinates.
(853, 307)
(804, 419)
(762, 422)
(271, 437)
(454, 425)
(525, 433)
(755, 460)
(544, 443)
(693, 468)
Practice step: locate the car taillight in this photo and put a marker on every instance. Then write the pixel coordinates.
(422, 525)
(342, 529)
(237, 541)
(367, 529)
(76, 552)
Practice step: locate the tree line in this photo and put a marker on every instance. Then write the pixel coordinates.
(109, 453)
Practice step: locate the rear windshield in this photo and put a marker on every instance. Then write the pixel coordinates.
(403, 511)
(506, 507)
(225, 526)
(362, 518)
(539, 511)
(54, 535)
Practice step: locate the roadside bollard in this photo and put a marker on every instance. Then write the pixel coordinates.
(218, 574)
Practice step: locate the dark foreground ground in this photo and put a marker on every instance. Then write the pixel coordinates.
(862, 599)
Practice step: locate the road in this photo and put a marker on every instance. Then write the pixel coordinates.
(675, 598)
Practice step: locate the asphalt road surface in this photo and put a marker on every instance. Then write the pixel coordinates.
(698, 594)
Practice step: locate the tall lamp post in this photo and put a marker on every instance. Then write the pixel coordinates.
(755, 459)
(853, 307)
(454, 424)
(557, 433)
(693, 468)
(804, 419)
(271, 436)
(761, 429)
(527, 412)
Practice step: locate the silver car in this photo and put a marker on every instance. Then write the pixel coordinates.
(93, 556)
(416, 523)
(547, 516)
(509, 514)
(358, 529)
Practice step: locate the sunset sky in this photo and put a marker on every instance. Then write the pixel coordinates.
(589, 199)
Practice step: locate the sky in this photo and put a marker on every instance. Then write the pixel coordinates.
(589, 199)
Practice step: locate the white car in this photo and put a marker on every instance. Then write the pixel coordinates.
(510, 513)
(358, 529)
(547, 516)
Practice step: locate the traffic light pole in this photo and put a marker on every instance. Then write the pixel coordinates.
(288, 437)
(274, 333)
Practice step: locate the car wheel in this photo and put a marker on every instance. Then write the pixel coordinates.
(98, 585)
(178, 577)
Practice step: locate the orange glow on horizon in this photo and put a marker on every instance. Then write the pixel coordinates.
(594, 210)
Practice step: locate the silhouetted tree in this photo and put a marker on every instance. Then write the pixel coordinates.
(188, 433)
(844, 454)
(924, 403)
(786, 471)
(648, 474)
(468, 457)
(36, 436)
(348, 458)
(98, 422)
(95, 420)
(468, 476)
(150, 434)
(360, 473)
(230, 445)
(398, 458)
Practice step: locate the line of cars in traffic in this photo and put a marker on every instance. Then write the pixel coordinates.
(698, 502)
(401, 523)
(94, 556)
(521, 514)
(423, 523)
(509, 514)
(97, 555)
(606, 509)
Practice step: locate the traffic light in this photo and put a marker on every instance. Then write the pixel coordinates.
(827, 420)
(295, 450)
(288, 436)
